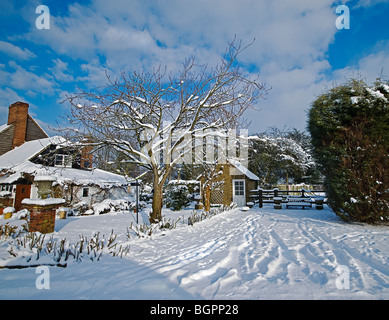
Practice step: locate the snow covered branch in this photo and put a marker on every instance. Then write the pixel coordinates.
(153, 116)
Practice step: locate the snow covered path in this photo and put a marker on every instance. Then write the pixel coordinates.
(259, 254)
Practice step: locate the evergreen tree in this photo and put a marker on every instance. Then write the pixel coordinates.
(349, 126)
(278, 156)
(177, 197)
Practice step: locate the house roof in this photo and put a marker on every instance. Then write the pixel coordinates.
(17, 162)
(243, 169)
(27, 151)
(64, 176)
(3, 127)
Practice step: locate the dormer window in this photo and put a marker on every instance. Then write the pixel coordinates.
(63, 160)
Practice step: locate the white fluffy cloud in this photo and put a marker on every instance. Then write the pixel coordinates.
(289, 53)
(370, 67)
(20, 78)
(15, 52)
(60, 71)
(291, 39)
(288, 31)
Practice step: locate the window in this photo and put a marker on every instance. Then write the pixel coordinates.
(62, 160)
(85, 192)
(239, 188)
(6, 187)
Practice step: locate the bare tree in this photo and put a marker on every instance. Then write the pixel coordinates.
(151, 118)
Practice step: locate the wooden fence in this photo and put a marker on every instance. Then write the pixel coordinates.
(262, 196)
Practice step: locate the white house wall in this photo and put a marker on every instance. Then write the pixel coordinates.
(96, 194)
(34, 192)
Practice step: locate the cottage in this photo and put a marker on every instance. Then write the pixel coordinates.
(27, 152)
(232, 184)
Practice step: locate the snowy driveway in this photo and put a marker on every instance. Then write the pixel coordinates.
(259, 254)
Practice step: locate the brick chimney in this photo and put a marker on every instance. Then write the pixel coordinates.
(86, 153)
(17, 115)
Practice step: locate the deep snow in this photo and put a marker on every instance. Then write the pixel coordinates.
(257, 254)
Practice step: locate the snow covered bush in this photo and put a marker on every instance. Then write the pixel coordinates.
(177, 197)
(106, 206)
(147, 230)
(33, 247)
(7, 230)
(198, 216)
(109, 205)
(79, 208)
(349, 126)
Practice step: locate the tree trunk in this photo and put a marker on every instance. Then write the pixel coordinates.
(158, 183)
(156, 213)
(267, 176)
(207, 198)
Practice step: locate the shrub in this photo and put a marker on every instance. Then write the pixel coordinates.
(349, 126)
(33, 247)
(145, 230)
(177, 197)
(7, 230)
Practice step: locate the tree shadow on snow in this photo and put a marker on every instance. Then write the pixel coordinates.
(325, 215)
(111, 278)
(60, 223)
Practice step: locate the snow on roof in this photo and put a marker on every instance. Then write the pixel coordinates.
(26, 151)
(4, 127)
(63, 176)
(17, 162)
(243, 169)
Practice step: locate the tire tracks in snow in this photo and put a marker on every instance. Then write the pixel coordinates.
(224, 271)
(194, 256)
(220, 262)
(362, 267)
(330, 253)
(236, 253)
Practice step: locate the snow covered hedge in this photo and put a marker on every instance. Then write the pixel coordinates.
(349, 126)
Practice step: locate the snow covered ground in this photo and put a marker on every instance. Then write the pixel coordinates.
(258, 254)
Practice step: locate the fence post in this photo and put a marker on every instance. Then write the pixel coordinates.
(260, 198)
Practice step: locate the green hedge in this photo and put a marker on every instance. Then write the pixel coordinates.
(349, 126)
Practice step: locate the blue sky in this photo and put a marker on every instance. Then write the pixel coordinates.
(298, 50)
